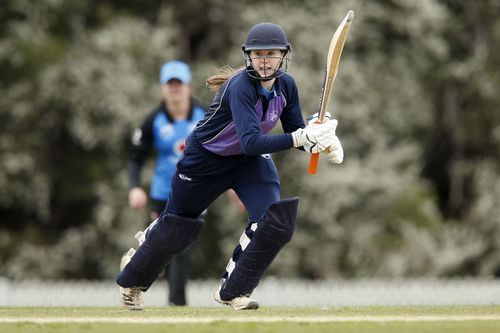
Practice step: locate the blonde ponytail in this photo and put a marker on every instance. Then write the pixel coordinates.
(221, 75)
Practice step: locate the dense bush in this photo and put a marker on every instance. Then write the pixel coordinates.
(416, 97)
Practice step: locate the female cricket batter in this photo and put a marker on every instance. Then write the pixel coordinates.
(229, 150)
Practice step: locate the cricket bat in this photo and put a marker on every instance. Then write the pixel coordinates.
(332, 66)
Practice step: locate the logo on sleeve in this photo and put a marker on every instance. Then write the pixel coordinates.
(136, 137)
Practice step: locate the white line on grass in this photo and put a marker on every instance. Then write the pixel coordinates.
(273, 319)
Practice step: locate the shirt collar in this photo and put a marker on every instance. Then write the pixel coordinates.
(269, 94)
(163, 109)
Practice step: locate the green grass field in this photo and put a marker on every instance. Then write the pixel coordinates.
(475, 319)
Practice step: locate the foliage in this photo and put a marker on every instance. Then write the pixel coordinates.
(415, 97)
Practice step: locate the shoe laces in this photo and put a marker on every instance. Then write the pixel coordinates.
(132, 296)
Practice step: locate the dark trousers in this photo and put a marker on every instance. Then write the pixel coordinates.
(177, 274)
(179, 270)
(255, 182)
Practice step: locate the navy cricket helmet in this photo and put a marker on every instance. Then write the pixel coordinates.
(266, 36)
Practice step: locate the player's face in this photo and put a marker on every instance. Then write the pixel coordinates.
(266, 62)
(176, 91)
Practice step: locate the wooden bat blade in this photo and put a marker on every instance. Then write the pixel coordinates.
(333, 60)
(332, 64)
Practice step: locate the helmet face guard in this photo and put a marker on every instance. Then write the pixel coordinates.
(266, 36)
(280, 70)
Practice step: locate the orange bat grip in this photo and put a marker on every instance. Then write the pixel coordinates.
(313, 163)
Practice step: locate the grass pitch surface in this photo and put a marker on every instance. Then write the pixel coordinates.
(477, 319)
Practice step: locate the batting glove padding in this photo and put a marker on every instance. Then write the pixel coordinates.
(315, 138)
(336, 153)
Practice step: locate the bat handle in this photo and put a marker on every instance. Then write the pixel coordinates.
(313, 163)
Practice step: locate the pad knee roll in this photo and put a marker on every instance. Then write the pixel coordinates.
(278, 223)
(274, 230)
(171, 235)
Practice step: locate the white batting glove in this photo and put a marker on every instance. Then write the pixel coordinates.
(325, 139)
(314, 118)
(315, 137)
(336, 154)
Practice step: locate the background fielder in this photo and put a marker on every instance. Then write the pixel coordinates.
(165, 131)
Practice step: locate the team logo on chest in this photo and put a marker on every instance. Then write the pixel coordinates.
(167, 131)
(179, 146)
(273, 115)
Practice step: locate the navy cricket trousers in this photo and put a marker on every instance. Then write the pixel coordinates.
(201, 177)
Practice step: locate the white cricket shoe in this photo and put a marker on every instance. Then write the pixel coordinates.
(131, 298)
(238, 303)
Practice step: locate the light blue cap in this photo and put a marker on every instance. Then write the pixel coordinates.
(175, 70)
